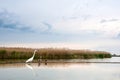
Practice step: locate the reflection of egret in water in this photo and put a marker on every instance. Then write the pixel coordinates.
(31, 68)
(28, 66)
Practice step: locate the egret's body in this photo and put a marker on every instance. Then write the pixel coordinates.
(31, 59)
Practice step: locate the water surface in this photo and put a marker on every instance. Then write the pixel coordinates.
(67, 70)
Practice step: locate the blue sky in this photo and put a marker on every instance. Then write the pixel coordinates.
(76, 24)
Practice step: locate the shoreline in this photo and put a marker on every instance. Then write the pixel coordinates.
(9, 61)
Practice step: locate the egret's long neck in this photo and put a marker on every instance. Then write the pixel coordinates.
(34, 54)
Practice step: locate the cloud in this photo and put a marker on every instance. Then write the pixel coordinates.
(73, 17)
(109, 29)
(9, 21)
(103, 20)
(109, 20)
(113, 19)
(49, 26)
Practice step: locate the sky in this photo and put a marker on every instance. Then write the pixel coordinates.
(74, 24)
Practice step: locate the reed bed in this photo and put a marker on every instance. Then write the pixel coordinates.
(51, 53)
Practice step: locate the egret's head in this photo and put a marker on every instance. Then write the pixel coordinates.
(35, 50)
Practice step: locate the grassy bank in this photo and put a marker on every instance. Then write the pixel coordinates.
(50, 53)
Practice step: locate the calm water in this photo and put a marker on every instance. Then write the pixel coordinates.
(70, 70)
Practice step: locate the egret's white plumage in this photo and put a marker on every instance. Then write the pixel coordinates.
(31, 59)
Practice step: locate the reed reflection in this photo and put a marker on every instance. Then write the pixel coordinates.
(40, 64)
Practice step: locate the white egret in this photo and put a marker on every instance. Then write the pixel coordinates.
(31, 59)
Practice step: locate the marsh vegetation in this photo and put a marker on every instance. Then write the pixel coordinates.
(51, 53)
